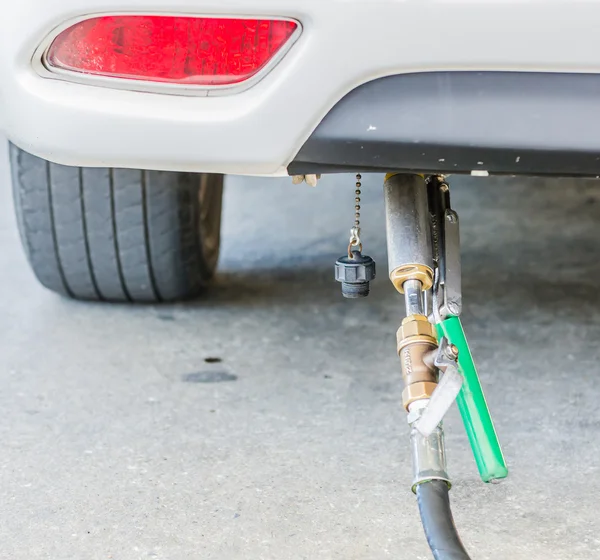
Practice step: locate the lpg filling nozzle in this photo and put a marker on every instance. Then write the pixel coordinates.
(437, 368)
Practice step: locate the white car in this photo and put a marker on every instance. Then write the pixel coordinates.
(124, 116)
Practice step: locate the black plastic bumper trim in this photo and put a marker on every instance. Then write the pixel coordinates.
(457, 122)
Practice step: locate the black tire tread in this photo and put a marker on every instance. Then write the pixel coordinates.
(105, 234)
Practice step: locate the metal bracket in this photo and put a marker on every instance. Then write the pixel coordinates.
(447, 290)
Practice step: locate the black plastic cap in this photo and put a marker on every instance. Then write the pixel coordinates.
(355, 274)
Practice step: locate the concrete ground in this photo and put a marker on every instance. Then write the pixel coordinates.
(123, 438)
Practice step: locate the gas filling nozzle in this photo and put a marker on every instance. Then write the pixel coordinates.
(437, 367)
(424, 264)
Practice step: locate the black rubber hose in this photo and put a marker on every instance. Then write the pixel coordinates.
(436, 516)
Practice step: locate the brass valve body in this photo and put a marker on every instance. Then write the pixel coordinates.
(416, 339)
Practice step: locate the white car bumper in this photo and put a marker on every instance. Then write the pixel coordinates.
(344, 43)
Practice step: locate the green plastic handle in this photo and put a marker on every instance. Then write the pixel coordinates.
(473, 408)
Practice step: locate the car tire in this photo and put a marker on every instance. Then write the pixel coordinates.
(119, 235)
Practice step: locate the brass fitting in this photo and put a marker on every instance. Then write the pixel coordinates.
(416, 339)
(419, 272)
(415, 328)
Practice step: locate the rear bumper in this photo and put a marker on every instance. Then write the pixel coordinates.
(344, 44)
(462, 122)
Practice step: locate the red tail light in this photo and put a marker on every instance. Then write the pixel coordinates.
(197, 51)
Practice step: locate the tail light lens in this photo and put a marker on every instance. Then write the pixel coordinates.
(196, 51)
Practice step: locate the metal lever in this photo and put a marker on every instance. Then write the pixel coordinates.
(446, 391)
(446, 242)
(451, 301)
(473, 407)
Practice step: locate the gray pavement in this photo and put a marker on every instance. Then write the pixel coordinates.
(119, 439)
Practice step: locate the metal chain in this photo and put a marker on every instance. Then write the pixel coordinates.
(355, 231)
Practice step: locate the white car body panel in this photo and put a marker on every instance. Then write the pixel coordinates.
(344, 43)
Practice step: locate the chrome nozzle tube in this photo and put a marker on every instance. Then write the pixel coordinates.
(428, 453)
(413, 297)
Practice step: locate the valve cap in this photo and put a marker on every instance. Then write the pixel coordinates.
(355, 274)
